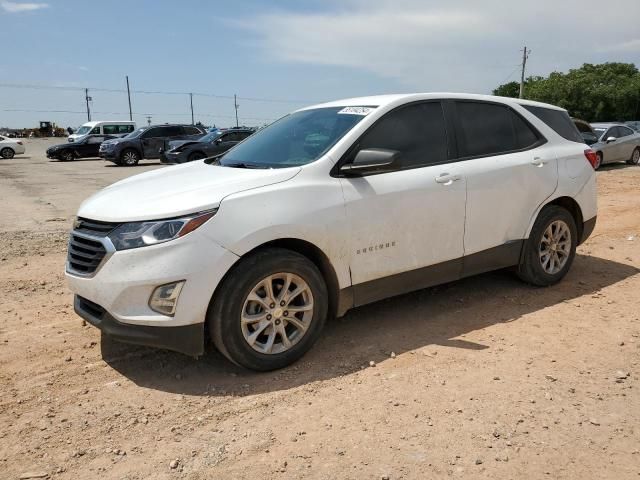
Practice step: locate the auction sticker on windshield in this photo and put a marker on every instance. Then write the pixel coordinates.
(357, 110)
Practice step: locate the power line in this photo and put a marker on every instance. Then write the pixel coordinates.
(79, 112)
(155, 92)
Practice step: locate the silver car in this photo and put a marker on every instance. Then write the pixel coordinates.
(616, 143)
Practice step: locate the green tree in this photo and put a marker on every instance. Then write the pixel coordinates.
(604, 92)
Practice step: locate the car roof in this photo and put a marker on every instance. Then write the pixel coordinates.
(399, 99)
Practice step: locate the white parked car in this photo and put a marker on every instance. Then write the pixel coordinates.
(9, 147)
(331, 207)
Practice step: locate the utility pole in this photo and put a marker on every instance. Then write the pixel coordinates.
(148, 119)
(235, 104)
(129, 97)
(525, 55)
(87, 99)
(191, 101)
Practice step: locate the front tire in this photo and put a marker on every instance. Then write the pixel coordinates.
(7, 153)
(550, 249)
(269, 311)
(67, 156)
(635, 157)
(129, 158)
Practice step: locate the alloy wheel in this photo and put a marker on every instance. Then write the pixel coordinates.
(635, 158)
(555, 247)
(130, 158)
(277, 313)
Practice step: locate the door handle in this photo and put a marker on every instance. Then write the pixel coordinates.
(447, 179)
(538, 162)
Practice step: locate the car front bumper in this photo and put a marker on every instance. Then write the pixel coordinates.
(115, 298)
(172, 158)
(108, 155)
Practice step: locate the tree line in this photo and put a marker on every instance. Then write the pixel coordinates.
(595, 93)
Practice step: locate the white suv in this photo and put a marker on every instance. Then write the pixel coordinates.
(331, 207)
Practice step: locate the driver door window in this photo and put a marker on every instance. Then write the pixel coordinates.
(417, 131)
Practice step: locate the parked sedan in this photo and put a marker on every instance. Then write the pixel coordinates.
(616, 143)
(10, 147)
(214, 143)
(85, 148)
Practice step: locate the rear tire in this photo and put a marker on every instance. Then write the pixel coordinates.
(550, 248)
(635, 157)
(7, 153)
(269, 311)
(129, 158)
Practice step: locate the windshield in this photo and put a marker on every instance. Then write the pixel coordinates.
(83, 130)
(296, 139)
(135, 133)
(209, 137)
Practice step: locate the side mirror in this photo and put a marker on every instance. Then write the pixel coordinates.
(611, 139)
(371, 160)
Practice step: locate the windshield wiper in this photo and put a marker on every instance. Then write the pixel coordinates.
(243, 165)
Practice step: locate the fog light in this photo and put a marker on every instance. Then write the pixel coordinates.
(165, 297)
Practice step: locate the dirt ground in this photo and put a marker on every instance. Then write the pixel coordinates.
(489, 378)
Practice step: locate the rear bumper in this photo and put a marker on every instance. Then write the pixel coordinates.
(187, 339)
(587, 229)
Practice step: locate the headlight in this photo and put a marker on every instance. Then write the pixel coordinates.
(141, 234)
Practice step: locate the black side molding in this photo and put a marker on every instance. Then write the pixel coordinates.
(188, 339)
(503, 256)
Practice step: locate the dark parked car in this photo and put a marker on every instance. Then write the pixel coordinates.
(147, 142)
(214, 143)
(85, 148)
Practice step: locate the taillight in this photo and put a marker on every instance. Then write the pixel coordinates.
(19, 143)
(592, 157)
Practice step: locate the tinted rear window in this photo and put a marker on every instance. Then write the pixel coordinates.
(559, 121)
(486, 129)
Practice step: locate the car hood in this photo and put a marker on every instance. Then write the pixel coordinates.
(174, 191)
(179, 143)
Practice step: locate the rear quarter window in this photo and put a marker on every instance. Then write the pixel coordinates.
(559, 121)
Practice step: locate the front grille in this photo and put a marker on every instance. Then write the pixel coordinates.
(84, 255)
(94, 227)
(91, 308)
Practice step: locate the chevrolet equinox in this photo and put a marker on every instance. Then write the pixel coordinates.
(331, 207)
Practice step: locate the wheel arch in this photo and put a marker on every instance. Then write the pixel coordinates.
(314, 254)
(571, 206)
(339, 300)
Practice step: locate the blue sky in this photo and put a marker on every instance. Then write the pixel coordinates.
(297, 51)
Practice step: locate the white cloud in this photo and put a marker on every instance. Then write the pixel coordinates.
(628, 46)
(17, 7)
(463, 45)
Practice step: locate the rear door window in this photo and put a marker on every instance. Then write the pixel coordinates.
(485, 129)
(417, 131)
(558, 120)
(173, 131)
(110, 129)
(191, 131)
(624, 132)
